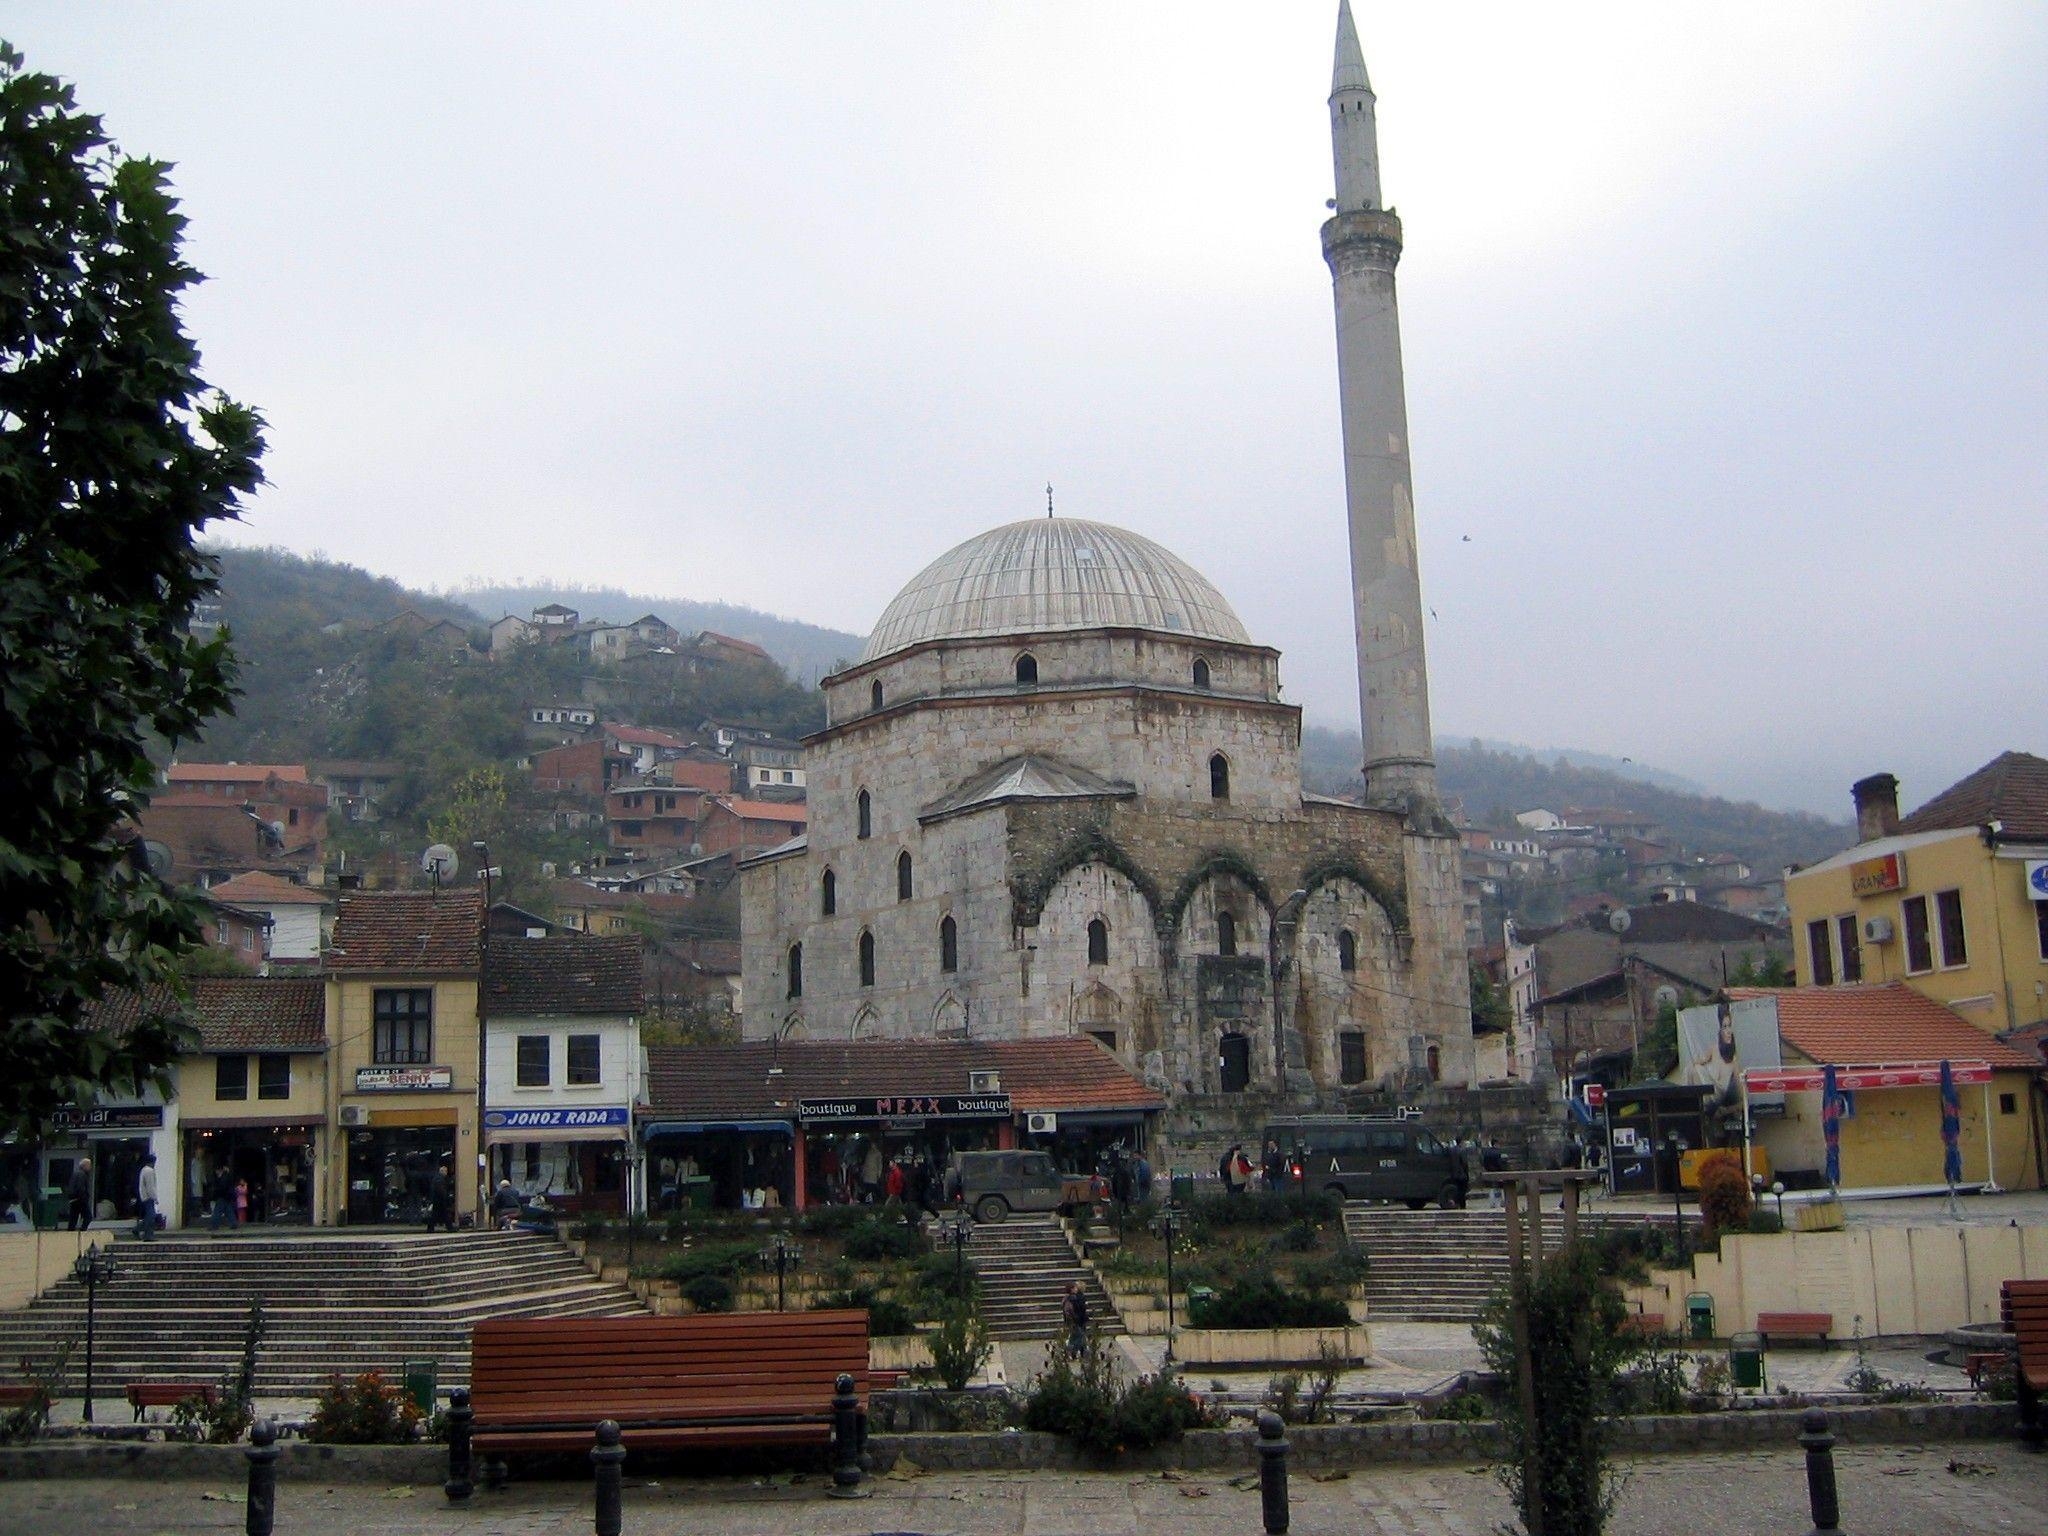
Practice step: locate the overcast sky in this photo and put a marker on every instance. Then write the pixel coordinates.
(1726, 325)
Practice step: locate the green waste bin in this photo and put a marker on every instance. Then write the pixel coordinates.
(52, 1209)
(1183, 1188)
(1699, 1314)
(422, 1384)
(1746, 1361)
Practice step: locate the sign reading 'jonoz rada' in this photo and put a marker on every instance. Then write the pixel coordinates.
(557, 1119)
(913, 1106)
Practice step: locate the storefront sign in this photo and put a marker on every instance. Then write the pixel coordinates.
(1872, 877)
(2037, 879)
(944, 1106)
(1903, 1074)
(556, 1119)
(403, 1079)
(107, 1117)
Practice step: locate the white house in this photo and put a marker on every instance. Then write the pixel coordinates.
(297, 913)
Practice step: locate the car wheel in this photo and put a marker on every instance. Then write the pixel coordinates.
(1337, 1190)
(991, 1208)
(1416, 1205)
(1452, 1199)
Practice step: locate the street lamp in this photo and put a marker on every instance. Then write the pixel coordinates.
(635, 1159)
(1778, 1189)
(95, 1267)
(1169, 1215)
(1677, 1145)
(956, 1227)
(483, 1164)
(783, 1253)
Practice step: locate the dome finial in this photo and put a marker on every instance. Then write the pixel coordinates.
(1048, 498)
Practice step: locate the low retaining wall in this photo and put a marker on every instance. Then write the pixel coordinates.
(1269, 1346)
(1316, 1448)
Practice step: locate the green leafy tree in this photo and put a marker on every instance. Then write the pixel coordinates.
(113, 454)
(1489, 1003)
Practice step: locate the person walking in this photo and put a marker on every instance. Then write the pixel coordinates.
(1275, 1168)
(893, 1182)
(439, 1190)
(220, 1199)
(1075, 1310)
(1141, 1177)
(145, 1199)
(81, 1196)
(1226, 1170)
(1240, 1171)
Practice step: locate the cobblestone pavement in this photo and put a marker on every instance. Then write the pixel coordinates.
(1963, 1490)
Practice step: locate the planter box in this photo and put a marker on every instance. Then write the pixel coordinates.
(1133, 1285)
(1818, 1216)
(1268, 1346)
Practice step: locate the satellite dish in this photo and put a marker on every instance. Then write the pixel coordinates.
(158, 857)
(276, 830)
(439, 863)
(1667, 997)
(1619, 920)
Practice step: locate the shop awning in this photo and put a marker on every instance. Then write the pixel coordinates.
(654, 1128)
(498, 1135)
(246, 1122)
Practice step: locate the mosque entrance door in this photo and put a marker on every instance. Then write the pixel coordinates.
(1234, 1059)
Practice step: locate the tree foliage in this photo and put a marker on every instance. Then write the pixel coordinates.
(113, 454)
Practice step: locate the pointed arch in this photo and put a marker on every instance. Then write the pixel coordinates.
(866, 1024)
(1347, 950)
(906, 885)
(1098, 941)
(949, 1018)
(1201, 672)
(1219, 776)
(795, 970)
(863, 815)
(949, 944)
(1226, 933)
(866, 951)
(875, 694)
(828, 894)
(1027, 669)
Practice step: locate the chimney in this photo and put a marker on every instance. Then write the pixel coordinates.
(1877, 806)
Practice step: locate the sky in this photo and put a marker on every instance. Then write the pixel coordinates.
(1724, 324)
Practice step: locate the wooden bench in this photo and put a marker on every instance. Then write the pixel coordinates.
(2024, 1306)
(1643, 1325)
(671, 1383)
(167, 1394)
(1795, 1325)
(16, 1394)
(1982, 1363)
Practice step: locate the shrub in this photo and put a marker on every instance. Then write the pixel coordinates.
(883, 1237)
(1299, 1237)
(366, 1411)
(708, 1293)
(1264, 1208)
(26, 1420)
(1263, 1302)
(1338, 1271)
(1462, 1408)
(833, 1220)
(1155, 1410)
(1724, 1194)
(942, 1279)
(960, 1346)
(1081, 1402)
(887, 1318)
(719, 1260)
(1761, 1220)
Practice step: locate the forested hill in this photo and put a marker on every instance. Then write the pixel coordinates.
(1494, 783)
(807, 650)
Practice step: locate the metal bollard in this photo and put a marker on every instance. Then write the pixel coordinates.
(1273, 1472)
(846, 1441)
(262, 1454)
(1820, 1473)
(461, 1471)
(608, 1458)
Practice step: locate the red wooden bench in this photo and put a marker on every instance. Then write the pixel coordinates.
(1795, 1325)
(2024, 1306)
(707, 1380)
(16, 1394)
(167, 1394)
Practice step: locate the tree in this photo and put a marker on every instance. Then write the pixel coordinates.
(1490, 1010)
(113, 454)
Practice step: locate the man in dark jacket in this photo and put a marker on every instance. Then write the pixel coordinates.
(81, 1195)
(440, 1196)
(1075, 1309)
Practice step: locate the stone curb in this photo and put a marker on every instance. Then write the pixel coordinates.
(1315, 1448)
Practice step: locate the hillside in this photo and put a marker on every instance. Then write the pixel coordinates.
(806, 650)
(1494, 783)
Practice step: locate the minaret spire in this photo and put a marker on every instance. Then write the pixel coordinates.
(1362, 243)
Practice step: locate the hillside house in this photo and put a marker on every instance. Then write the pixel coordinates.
(729, 824)
(296, 915)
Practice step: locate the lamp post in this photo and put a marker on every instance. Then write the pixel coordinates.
(483, 1164)
(1168, 1215)
(635, 1159)
(95, 1267)
(1677, 1145)
(1778, 1189)
(782, 1254)
(956, 1227)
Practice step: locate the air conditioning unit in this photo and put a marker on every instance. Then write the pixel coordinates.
(1877, 930)
(1041, 1122)
(355, 1114)
(989, 1081)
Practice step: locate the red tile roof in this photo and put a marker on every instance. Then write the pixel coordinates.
(2011, 789)
(257, 889)
(237, 773)
(569, 974)
(231, 1013)
(1848, 1026)
(712, 637)
(408, 931)
(731, 1081)
(645, 736)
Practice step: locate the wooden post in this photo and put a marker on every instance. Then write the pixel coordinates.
(1524, 1267)
(1571, 1212)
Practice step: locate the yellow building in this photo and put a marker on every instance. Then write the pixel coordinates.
(402, 994)
(1952, 900)
(254, 1138)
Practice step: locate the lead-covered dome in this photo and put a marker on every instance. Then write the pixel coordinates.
(1053, 573)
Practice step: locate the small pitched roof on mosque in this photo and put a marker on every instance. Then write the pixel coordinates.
(2011, 789)
(1028, 777)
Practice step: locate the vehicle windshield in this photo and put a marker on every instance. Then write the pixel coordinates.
(1427, 1144)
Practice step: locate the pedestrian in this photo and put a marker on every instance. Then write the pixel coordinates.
(1120, 1182)
(220, 1198)
(893, 1183)
(1141, 1177)
(145, 1199)
(872, 1171)
(1240, 1171)
(81, 1196)
(1275, 1168)
(440, 1189)
(1075, 1310)
(241, 1201)
(504, 1207)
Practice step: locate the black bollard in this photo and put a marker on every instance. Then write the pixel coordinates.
(1820, 1473)
(1273, 1472)
(262, 1454)
(845, 1441)
(608, 1457)
(461, 1472)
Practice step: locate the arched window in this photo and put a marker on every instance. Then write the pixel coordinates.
(1098, 942)
(828, 894)
(1219, 777)
(1027, 669)
(1347, 950)
(796, 970)
(949, 945)
(867, 958)
(1436, 1064)
(864, 816)
(1226, 934)
(875, 694)
(1201, 673)
(903, 880)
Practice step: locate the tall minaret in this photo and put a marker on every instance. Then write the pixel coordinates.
(1362, 242)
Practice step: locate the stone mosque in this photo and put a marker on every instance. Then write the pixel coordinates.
(1060, 794)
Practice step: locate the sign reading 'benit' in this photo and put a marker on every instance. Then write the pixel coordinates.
(1872, 877)
(908, 1106)
(404, 1079)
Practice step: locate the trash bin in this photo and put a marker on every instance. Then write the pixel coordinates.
(1699, 1315)
(1183, 1188)
(52, 1209)
(422, 1384)
(1746, 1361)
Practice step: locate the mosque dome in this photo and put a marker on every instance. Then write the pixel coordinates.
(1053, 573)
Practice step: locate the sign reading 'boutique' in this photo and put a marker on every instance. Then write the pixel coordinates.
(908, 1106)
(404, 1079)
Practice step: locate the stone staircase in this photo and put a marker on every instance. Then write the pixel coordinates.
(332, 1303)
(1025, 1264)
(1440, 1266)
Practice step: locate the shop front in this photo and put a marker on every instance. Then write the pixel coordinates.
(574, 1160)
(847, 1145)
(263, 1170)
(714, 1165)
(117, 1137)
(1087, 1141)
(401, 1126)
